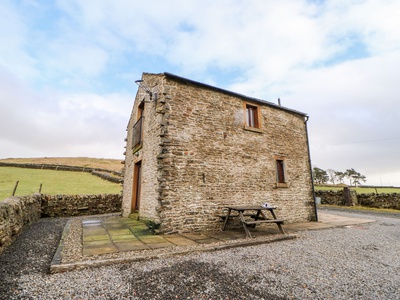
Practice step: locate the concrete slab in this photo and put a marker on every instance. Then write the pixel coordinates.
(124, 238)
(123, 231)
(152, 239)
(180, 241)
(131, 246)
(94, 231)
(160, 245)
(207, 241)
(92, 251)
(194, 236)
(89, 238)
(88, 244)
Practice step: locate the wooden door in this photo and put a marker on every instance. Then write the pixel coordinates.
(137, 174)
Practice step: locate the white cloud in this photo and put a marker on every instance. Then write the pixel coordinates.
(336, 60)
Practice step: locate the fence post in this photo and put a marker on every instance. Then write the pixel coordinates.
(15, 187)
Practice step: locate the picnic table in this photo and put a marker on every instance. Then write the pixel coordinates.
(256, 212)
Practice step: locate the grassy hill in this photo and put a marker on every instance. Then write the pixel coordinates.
(101, 163)
(57, 182)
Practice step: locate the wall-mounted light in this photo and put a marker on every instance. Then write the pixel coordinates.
(145, 87)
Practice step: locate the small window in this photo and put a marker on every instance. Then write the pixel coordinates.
(280, 171)
(252, 116)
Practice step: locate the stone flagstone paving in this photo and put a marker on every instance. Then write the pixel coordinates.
(117, 234)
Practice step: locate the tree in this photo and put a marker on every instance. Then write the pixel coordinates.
(354, 177)
(331, 175)
(340, 176)
(320, 176)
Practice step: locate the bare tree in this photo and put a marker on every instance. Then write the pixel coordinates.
(331, 175)
(340, 176)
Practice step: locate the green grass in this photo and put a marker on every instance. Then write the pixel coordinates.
(360, 190)
(53, 182)
(361, 208)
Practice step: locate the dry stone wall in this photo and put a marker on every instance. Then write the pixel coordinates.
(15, 214)
(382, 200)
(79, 205)
(113, 176)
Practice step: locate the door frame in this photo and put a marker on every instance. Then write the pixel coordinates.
(136, 188)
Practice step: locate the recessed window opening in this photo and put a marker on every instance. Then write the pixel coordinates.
(280, 171)
(252, 119)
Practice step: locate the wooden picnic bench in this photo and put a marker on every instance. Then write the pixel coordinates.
(257, 215)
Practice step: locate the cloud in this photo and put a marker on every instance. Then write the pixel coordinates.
(55, 124)
(68, 67)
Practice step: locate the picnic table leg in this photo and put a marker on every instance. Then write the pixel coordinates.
(248, 234)
(226, 219)
(279, 224)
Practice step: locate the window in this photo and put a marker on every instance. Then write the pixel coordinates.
(137, 131)
(281, 179)
(252, 117)
(280, 171)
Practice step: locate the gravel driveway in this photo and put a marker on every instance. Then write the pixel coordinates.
(354, 262)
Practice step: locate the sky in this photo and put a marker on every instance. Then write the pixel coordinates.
(67, 71)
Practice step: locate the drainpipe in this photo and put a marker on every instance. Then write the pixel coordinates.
(309, 162)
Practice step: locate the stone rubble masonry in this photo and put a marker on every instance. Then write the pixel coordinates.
(16, 213)
(80, 205)
(197, 157)
(382, 200)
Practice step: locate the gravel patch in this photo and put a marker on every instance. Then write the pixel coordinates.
(353, 262)
(30, 254)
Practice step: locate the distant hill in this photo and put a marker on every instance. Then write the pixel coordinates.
(87, 162)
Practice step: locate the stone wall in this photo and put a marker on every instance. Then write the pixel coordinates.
(198, 157)
(112, 176)
(80, 205)
(368, 200)
(18, 212)
(380, 200)
(15, 214)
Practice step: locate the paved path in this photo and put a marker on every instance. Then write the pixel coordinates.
(115, 239)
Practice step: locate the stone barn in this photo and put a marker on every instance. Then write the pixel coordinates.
(193, 149)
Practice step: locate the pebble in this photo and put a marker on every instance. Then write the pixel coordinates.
(353, 262)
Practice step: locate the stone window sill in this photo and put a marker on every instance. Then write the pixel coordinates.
(282, 185)
(254, 129)
(137, 148)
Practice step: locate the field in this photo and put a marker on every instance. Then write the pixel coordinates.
(361, 190)
(101, 163)
(53, 182)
